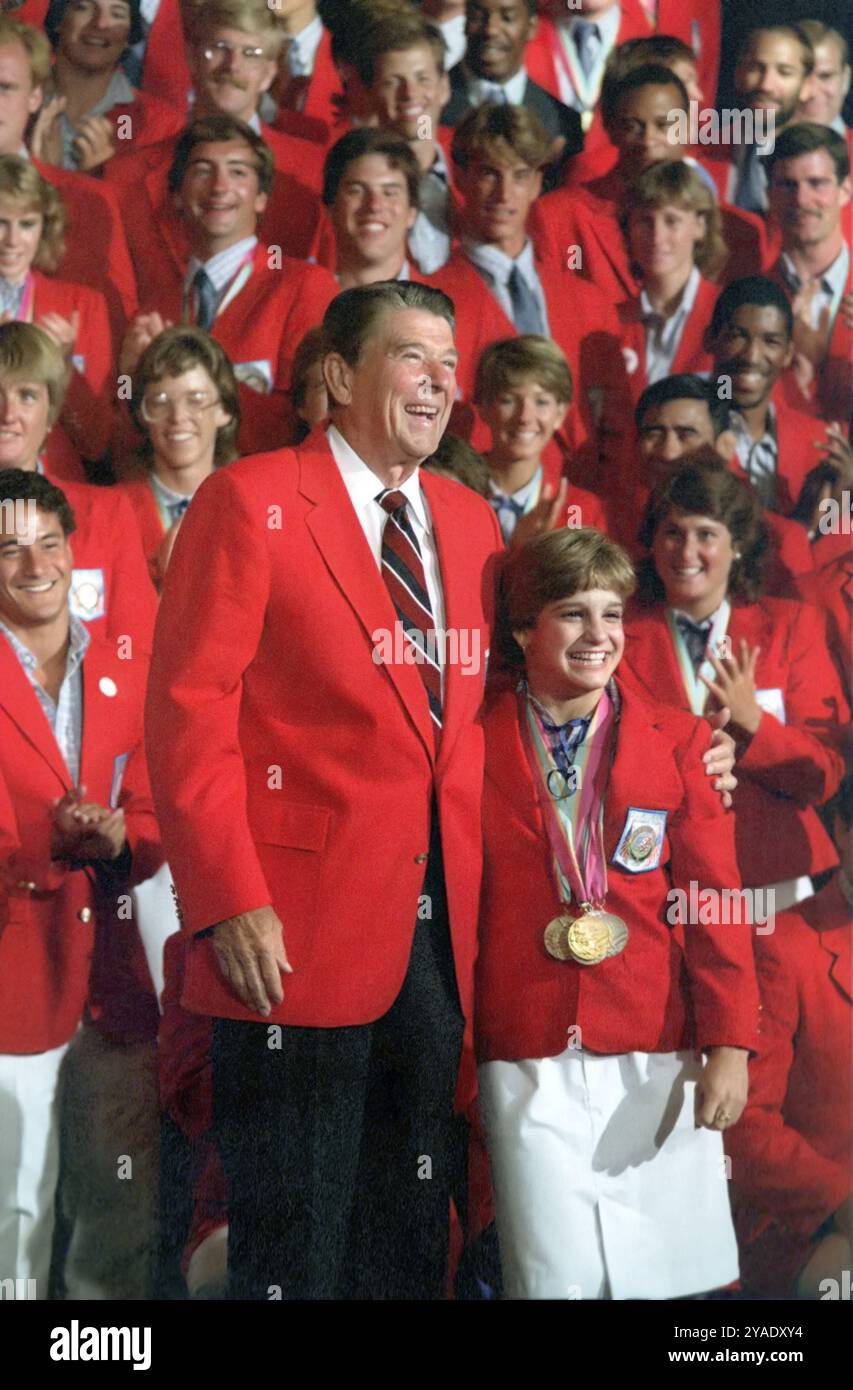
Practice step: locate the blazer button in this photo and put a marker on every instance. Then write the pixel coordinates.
(85, 914)
(421, 858)
(26, 886)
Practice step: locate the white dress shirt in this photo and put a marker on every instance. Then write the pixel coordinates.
(429, 239)
(608, 28)
(830, 287)
(302, 52)
(363, 487)
(496, 267)
(453, 33)
(480, 89)
(222, 267)
(663, 335)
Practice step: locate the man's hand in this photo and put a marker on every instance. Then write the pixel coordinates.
(722, 1089)
(142, 331)
(94, 142)
(84, 830)
(811, 342)
(544, 516)
(720, 758)
(251, 955)
(839, 453)
(733, 687)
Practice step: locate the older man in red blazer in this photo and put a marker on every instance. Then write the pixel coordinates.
(76, 786)
(318, 775)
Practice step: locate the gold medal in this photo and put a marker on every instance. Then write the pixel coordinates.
(557, 938)
(589, 939)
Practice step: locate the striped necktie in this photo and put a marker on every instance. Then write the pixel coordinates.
(403, 572)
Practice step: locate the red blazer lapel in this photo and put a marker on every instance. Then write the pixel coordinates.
(338, 535)
(21, 703)
(691, 349)
(506, 761)
(643, 774)
(650, 657)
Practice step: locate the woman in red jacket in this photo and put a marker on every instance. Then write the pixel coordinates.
(595, 988)
(32, 219)
(185, 402)
(674, 233)
(702, 637)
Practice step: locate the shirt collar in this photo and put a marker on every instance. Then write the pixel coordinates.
(685, 305)
(833, 280)
(498, 264)
(739, 425)
(439, 165)
(303, 47)
(222, 266)
(524, 494)
(79, 638)
(608, 25)
(480, 89)
(363, 484)
(166, 494)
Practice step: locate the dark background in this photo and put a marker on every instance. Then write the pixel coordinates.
(739, 16)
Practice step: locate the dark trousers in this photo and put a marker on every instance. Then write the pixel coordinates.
(340, 1148)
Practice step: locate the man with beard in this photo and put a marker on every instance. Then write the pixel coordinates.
(771, 79)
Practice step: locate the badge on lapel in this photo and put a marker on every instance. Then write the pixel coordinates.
(772, 701)
(87, 597)
(258, 375)
(641, 842)
(119, 764)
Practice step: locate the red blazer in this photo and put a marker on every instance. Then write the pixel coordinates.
(588, 217)
(96, 249)
(157, 236)
(543, 53)
(585, 327)
(673, 986)
(480, 321)
(792, 1151)
(107, 543)
(347, 899)
(85, 425)
(831, 590)
(47, 909)
(691, 355)
(787, 769)
(151, 120)
(265, 323)
(321, 99)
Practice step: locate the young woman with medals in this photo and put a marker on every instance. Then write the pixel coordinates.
(702, 637)
(612, 1038)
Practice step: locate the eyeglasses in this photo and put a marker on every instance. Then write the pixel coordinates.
(156, 407)
(221, 49)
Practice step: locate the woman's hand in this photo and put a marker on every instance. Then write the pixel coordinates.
(94, 142)
(722, 1089)
(46, 138)
(733, 687)
(63, 331)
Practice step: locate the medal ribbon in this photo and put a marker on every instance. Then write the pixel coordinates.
(575, 825)
(238, 280)
(585, 91)
(697, 693)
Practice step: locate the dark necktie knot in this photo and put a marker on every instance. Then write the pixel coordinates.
(392, 500)
(206, 297)
(695, 636)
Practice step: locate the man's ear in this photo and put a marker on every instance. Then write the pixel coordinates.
(35, 99)
(337, 374)
(789, 355)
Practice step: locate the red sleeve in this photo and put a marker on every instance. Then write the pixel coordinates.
(87, 414)
(771, 1162)
(720, 965)
(800, 759)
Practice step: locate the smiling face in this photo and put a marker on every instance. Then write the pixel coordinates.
(182, 415)
(664, 240)
(394, 404)
(693, 556)
(497, 32)
(771, 74)
(498, 197)
(34, 578)
(828, 85)
(94, 34)
(669, 431)
(643, 122)
(233, 78)
(219, 196)
(19, 99)
(522, 420)
(408, 91)
(574, 647)
(753, 349)
(24, 412)
(806, 198)
(20, 234)
(371, 213)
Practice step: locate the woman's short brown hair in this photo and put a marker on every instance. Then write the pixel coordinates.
(22, 184)
(505, 363)
(677, 184)
(28, 354)
(702, 485)
(175, 351)
(552, 567)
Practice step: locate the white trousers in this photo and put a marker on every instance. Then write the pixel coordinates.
(603, 1186)
(29, 1166)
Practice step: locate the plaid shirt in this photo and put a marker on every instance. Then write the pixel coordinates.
(65, 716)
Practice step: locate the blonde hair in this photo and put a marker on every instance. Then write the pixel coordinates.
(202, 17)
(677, 184)
(509, 361)
(22, 184)
(34, 41)
(501, 132)
(28, 354)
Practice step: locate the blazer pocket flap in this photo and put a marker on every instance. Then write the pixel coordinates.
(288, 823)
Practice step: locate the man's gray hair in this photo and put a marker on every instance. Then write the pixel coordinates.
(353, 314)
